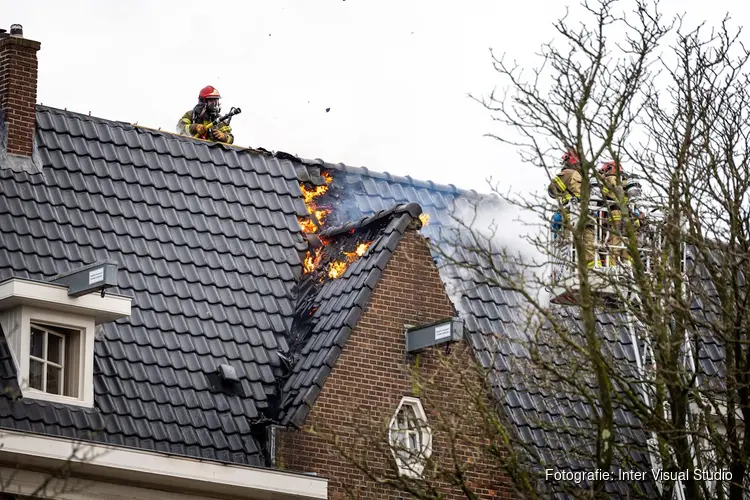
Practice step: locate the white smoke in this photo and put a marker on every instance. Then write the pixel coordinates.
(509, 232)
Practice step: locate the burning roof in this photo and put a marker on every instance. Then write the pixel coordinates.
(333, 295)
(315, 222)
(340, 271)
(424, 218)
(332, 262)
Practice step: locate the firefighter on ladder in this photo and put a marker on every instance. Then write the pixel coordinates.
(617, 198)
(564, 187)
(197, 121)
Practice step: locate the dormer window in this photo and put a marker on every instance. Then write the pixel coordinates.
(50, 334)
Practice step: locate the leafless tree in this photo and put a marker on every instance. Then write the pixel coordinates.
(648, 366)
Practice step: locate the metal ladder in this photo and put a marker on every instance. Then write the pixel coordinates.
(646, 365)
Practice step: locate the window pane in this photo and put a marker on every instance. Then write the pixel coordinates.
(54, 376)
(54, 348)
(71, 370)
(403, 421)
(37, 343)
(35, 375)
(414, 442)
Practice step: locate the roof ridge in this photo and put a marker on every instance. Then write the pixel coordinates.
(83, 116)
(364, 171)
(136, 126)
(412, 209)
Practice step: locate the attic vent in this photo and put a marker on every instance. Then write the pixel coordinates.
(228, 373)
(226, 380)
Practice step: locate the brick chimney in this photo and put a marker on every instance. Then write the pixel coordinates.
(18, 76)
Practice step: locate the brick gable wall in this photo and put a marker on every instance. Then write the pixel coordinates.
(371, 376)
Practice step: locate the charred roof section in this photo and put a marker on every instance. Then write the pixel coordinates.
(329, 307)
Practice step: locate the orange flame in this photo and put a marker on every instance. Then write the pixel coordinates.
(311, 194)
(311, 261)
(307, 225)
(362, 248)
(336, 269)
(318, 215)
(321, 214)
(358, 252)
(425, 218)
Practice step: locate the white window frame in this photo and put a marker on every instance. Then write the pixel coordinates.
(415, 464)
(50, 331)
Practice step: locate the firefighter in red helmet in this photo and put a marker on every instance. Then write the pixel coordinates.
(565, 186)
(196, 122)
(567, 183)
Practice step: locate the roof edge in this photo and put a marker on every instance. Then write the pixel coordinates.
(152, 468)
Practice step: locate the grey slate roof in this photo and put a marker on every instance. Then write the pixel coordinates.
(554, 421)
(208, 246)
(706, 307)
(332, 308)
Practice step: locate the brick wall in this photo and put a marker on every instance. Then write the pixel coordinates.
(18, 80)
(371, 376)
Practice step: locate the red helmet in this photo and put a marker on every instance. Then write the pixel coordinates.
(570, 157)
(208, 92)
(609, 168)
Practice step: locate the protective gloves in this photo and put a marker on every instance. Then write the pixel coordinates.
(218, 135)
(197, 129)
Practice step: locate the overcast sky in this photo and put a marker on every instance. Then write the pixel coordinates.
(394, 73)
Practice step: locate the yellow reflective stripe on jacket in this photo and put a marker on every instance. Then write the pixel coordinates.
(185, 122)
(565, 195)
